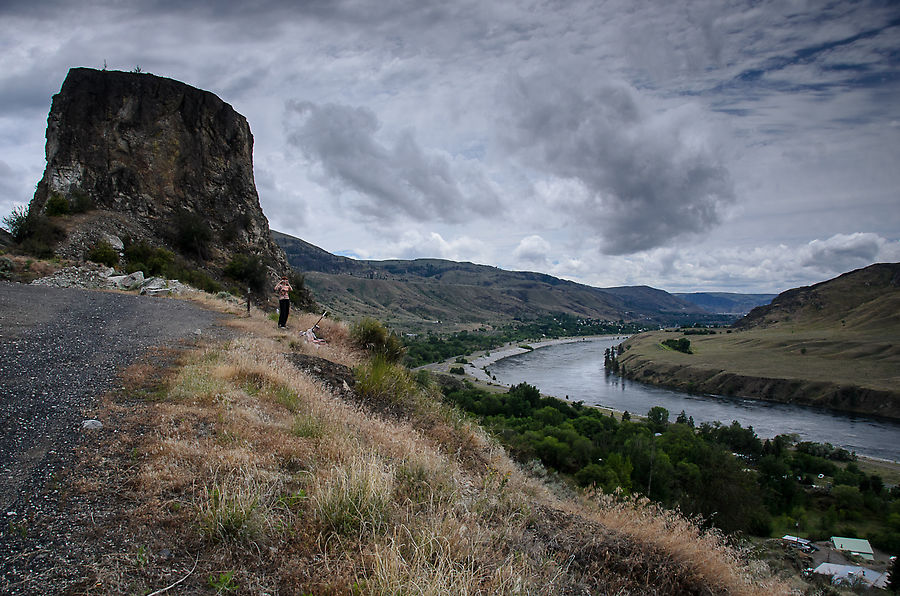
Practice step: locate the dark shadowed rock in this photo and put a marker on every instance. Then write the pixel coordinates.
(159, 161)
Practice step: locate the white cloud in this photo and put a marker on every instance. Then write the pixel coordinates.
(532, 250)
(413, 243)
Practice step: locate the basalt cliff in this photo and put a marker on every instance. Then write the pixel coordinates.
(155, 161)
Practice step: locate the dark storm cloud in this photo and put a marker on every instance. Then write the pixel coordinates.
(647, 176)
(388, 181)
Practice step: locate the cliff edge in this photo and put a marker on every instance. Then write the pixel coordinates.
(156, 160)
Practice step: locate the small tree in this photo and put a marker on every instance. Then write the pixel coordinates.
(248, 269)
(658, 418)
(57, 205)
(16, 222)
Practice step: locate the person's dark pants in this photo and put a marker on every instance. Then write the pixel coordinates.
(284, 307)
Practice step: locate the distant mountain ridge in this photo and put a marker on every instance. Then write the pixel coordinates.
(727, 303)
(413, 293)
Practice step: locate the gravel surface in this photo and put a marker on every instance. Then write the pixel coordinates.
(60, 350)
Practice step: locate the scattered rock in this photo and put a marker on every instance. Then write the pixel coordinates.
(127, 282)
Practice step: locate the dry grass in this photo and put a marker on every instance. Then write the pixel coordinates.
(252, 468)
(840, 355)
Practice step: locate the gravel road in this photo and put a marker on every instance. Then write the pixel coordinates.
(60, 350)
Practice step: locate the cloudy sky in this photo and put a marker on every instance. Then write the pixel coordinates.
(691, 145)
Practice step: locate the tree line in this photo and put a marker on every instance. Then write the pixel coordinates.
(724, 473)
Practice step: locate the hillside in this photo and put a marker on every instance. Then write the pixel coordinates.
(835, 344)
(727, 303)
(413, 295)
(253, 462)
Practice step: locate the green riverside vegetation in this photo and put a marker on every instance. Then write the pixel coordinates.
(433, 348)
(723, 473)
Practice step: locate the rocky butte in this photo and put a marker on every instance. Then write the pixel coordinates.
(158, 161)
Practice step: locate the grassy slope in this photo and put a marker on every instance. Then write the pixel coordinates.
(841, 334)
(255, 475)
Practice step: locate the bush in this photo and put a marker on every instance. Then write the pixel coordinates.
(56, 205)
(300, 295)
(248, 269)
(457, 370)
(680, 345)
(81, 201)
(36, 234)
(192, 234)
(103, 253)
(149, 259)
(374, 337)
(6, 268)
(15, 222)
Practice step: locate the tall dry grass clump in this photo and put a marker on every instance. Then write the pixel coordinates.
(268, 477)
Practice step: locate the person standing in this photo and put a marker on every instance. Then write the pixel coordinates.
(283, 289)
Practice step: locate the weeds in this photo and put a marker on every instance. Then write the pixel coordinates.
(274, 476)
(222, 582)
(355, 499)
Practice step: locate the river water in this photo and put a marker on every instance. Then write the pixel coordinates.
(575, 371)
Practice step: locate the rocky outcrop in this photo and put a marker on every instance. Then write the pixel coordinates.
(159, 161)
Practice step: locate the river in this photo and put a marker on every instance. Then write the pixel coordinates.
(575, 371)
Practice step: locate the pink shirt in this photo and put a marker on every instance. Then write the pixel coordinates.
(282, 289)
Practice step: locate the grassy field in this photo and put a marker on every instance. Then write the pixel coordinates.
(257, 477)
(840, 356)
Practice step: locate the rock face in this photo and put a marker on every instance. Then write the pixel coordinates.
(160, 161)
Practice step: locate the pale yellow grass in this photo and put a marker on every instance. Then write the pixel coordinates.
(297, 490)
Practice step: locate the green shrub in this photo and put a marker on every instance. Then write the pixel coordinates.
(374, 337)
(38, 235)
(16, 222)
(192, 234)
(249, 270)
(103, 253)
(149, 259)
(6, 268)
(80, 201)
(300, 295)
(680, 345)
(155, 261)
(57, 205)
(457, 370)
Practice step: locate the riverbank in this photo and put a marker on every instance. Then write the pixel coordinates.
(476, 363)
(768, 365)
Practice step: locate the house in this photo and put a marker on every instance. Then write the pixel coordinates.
(854, 546)
(801, 543)
(850, 575)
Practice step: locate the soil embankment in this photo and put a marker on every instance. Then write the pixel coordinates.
(60, 350)
(792, 376)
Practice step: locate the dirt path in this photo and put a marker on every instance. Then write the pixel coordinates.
(60, 350)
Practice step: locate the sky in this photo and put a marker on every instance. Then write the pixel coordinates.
(689, 145)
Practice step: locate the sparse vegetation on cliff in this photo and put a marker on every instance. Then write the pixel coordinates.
(253, 473)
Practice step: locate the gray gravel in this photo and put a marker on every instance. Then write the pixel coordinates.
(60, 350)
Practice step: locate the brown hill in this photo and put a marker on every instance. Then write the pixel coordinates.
(835, 344)
(414, 294)
(866, 298)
